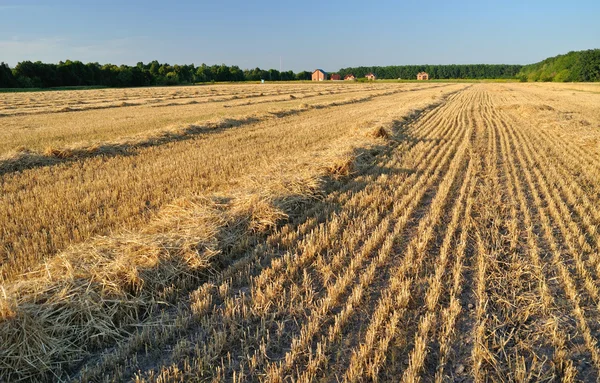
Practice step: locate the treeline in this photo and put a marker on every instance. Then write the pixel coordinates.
(409, 72)
(29, 74)
(573, 66)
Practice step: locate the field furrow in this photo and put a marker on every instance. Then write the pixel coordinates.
(375, 199)
(551, 229)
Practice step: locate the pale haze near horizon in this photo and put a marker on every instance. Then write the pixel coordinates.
(304, 35)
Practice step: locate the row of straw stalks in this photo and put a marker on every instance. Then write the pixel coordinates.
(23, 158)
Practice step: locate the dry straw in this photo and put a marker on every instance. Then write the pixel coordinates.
(24, 158)
(93, 293)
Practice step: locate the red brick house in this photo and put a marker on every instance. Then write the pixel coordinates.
(335, 76)
(349, 77)
(370, 76)
(422, 76)
(319, 75)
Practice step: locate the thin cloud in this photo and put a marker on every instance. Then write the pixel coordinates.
(17, 49)
(18, 7)
(54, 49)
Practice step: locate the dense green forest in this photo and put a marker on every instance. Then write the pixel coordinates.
(477, 71)
(29, 74)
(573, 66)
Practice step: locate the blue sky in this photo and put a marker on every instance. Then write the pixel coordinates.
(306, 34)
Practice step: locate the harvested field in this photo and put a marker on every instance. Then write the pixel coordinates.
(36, 121)
(380, 232)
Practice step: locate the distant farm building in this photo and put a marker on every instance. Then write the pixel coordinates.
(371, 76)
(335, 76)
(349, 77)
(422, 76)
(319, 75)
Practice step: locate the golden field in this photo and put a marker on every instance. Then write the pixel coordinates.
(301, 232)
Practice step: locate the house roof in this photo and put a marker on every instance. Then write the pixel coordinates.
(319, 70)
(370, 74)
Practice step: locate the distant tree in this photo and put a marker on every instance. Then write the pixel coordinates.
(26, 74)
(222, 73)
(253, 74)
(287, 76)
(274, 75)
(573, 66)
(236, 74)
(204, 73)
(154, 66)
(7, 79)
(589, 65)
(305, 75)
(164, 69)
(171, 79)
